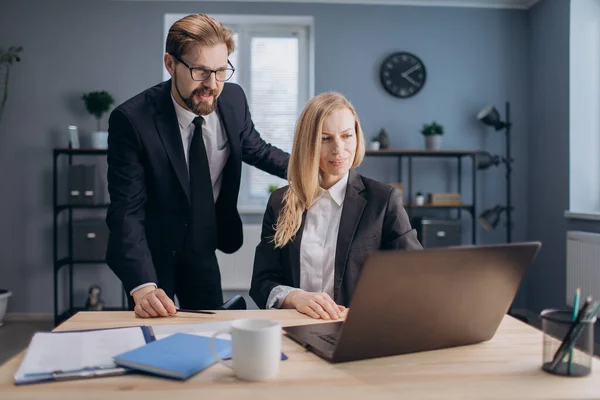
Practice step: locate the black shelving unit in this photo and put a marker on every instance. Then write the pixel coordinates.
(69, 209)
(458, 155)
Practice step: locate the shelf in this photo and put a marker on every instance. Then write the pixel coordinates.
(421, 153)
(61, 207)
(69, 313)
(437, 207)
(80, 152)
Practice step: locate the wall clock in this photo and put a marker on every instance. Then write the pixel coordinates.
(402, 74)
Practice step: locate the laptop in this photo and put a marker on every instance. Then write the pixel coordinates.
(411, 301)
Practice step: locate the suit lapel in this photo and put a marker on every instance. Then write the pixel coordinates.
(294, 247)
(232, 130)
(170, 135)
(354, 205)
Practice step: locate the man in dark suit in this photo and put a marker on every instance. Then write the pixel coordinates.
(174, 167)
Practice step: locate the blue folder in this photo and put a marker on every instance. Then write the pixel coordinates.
(178, 356)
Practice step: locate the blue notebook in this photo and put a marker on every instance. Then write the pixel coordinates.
(177, 356)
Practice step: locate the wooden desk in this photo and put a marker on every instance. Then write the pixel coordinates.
(507, 367)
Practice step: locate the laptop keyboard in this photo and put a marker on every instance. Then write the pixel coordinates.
(331, 338)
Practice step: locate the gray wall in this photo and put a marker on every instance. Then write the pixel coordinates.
(473, 57)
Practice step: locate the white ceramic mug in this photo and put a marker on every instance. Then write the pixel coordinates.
(256, 348)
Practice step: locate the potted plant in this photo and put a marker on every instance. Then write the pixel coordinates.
(6, 60)
(419, 199)
(97, 104)
(374, 145)
(272, 188)
(433, 135)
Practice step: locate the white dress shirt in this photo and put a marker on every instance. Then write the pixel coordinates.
(318, 246)
(217, 148)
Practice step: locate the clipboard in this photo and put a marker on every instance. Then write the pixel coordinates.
(22, 377)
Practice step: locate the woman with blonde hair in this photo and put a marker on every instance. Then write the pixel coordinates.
(318, 230)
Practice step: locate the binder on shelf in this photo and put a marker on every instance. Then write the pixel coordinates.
(75, 195)
(84, 185)
(89, 184)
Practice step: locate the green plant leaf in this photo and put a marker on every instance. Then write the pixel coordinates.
(98, 103)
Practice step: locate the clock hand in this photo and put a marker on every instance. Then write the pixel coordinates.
(411, 80)
(408, 72)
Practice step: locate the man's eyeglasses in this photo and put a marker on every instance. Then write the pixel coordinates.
(202, 74)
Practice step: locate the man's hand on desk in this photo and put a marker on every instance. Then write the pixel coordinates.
(153, 302)
(315, 305)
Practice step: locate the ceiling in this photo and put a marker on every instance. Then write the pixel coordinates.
(515, 4)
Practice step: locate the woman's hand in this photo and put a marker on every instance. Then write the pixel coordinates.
(315, 305)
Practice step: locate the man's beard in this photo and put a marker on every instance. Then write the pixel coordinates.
(199, 107)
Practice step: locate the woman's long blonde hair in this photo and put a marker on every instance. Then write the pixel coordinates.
(303, 169)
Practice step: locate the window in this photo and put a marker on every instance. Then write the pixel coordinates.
(274, 65)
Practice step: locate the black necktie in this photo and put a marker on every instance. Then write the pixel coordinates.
(204, 222)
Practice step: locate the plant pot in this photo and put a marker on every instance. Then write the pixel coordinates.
(374, 145)
(420, 200)
(4, 295)
(433, 142)
(99, 139)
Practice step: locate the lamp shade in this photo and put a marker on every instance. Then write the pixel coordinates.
(489, 218)
(484, 160)
(490, 116)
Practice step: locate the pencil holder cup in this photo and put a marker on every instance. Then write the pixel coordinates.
(574, 357)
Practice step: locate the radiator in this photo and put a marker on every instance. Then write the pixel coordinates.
(583, 265)
(236, 268)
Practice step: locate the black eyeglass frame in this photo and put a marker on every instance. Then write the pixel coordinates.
(210, 71)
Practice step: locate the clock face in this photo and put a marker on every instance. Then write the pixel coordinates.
(402, 74)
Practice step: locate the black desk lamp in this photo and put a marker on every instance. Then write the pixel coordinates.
(489, 218)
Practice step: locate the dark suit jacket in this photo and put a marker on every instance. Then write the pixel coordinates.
(373, 218)
(149, 185)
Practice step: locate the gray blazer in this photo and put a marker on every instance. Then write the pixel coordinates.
(373, 218)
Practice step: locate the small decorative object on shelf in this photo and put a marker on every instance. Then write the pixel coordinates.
(384, 140)
(73, 137)
(273, 188)
(97, 104)
(433, 135)
(419, 199)
(374, 144)
(94, 301)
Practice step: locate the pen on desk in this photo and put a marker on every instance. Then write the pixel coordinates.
(195, 311)
(574, 318)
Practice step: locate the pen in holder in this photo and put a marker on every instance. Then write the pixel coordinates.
(568, 347)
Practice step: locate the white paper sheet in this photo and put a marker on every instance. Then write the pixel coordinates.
(73, 351)
(201, 329)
